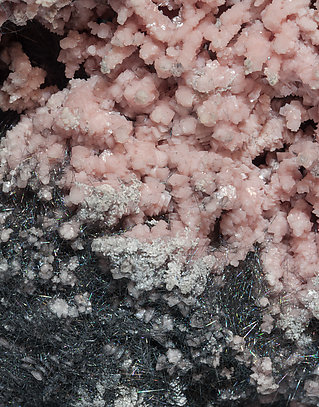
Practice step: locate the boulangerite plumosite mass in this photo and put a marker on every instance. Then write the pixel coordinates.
(159, 203)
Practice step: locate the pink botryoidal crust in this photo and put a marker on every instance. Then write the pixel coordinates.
(180, 98)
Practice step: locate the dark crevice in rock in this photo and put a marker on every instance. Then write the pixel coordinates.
(80, 73)
(169, 12)
(8, 120)
(260, 159)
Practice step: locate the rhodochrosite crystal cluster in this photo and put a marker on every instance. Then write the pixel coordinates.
(186, 133)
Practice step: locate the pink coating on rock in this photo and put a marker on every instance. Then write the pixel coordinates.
(190, 118)
(21, 90)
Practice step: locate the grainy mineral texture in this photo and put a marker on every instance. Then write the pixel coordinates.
(176, 141)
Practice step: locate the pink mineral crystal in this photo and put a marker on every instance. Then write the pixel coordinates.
(192, 115)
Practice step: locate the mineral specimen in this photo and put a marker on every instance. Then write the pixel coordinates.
(181, 138)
